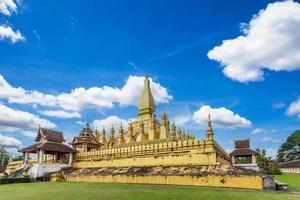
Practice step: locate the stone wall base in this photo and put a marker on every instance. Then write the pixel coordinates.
(228, 181)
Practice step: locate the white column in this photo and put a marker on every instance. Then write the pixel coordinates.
(55, 157)
(70, 158)
(41, 155)
(26, 157)
(232, 160)
(253, 159)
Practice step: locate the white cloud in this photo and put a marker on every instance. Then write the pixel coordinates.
(294, 108)
(270, 41)
(9, 141)
(258, 130)
(278, 105)
(7, 91)
(221, 117)
(7, 7)
(98, 98)
(11, 118)
(271, 153)
(110, 121)
(265, 139)
(61, 114)
(28, 133)
(6, 32)
(80, 123)
(182, 120)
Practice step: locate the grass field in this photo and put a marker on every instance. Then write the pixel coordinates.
(293, 180)
(103, 191)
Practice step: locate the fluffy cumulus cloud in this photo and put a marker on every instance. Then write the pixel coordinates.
(78, 99)
(221, 117)
(7, 7)
(61, 114)
(7, 91)
(15, 119)
(110, 121)
(271, 40)
(10, 142)
(294, 108)
(7, 32)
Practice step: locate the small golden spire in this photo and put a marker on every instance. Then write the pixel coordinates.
(97, 135)
(209, 130)
(103, 135)
(173, 130)
(112, 133)
(121, 135)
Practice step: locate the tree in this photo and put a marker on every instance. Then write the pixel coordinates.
(266, 163)
(263, 160)
(4, 157)
(290, 150)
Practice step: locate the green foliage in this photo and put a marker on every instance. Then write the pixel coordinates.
(26, 175)
(15, 180)
(290, 150)
(243, 160)
(276, 171)
(4, 157)
(17, 158)
(265, 162)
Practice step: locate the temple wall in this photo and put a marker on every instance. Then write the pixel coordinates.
(242, 181)
(191, 158)
(150, 154)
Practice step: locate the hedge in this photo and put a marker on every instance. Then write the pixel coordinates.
(15, 180)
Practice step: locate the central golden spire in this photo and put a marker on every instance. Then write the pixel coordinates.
(146, 102)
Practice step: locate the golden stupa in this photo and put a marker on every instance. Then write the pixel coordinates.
(147, 142)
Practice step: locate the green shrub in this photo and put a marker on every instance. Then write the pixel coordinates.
(26, 175)
(15, 180)
(276, 171)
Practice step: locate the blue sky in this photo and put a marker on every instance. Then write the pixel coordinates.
(67, 45)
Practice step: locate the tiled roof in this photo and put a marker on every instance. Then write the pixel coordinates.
(241, 144)
(243, 152)
(50, 135)
(49, 146)
(290, 164)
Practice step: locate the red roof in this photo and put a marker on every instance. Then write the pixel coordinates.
(290, 164)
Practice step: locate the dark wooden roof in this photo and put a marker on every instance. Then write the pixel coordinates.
(86, 135)
(290, 164)
(50, 147)
(50, 135)
(243, 152)
(242, 144)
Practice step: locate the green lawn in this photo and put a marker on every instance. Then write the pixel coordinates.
(103, 191)
(293, 180)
